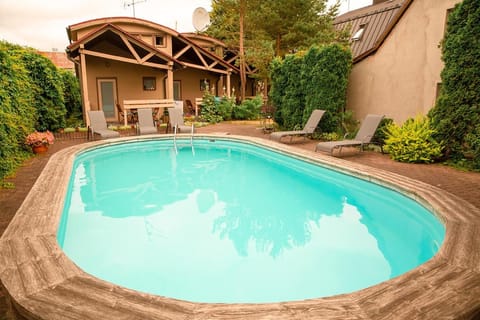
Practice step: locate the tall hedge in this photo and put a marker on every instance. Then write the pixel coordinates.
(316, 79)
(17, 113)
(325, 80)
(72, 98)
(48, 90)
(31, 98)
(456, 115)
(286, 92)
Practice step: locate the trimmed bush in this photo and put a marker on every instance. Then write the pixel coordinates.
(412, 142)
(456, 115)
(324, 81)
(287, 93)
(210, 113)
(316, 79)
(249, 109)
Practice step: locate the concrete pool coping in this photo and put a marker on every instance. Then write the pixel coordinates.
(42, 283)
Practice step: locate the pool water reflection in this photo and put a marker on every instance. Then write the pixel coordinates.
(231, 222)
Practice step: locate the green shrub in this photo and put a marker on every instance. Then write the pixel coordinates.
(328, 136)
(72, 99)
(456, 115)
(349, 126)
(48, 90)
(380, 135)
(225, 107)
(210, 112)
(316, 79)
(325, 75)
(412, 142)
(215, 109)
(287, 93)
(17, 114)
(249, 109)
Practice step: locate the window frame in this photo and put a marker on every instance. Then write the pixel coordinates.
(152, 86)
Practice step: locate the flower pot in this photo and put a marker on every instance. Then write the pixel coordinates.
(40, 148)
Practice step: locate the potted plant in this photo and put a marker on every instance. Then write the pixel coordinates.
(39, 141)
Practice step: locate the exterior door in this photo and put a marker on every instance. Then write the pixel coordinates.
(107, 97)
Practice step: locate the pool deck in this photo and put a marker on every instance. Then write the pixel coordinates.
(43, 284)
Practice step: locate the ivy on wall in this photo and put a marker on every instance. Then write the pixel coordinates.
(316, 79)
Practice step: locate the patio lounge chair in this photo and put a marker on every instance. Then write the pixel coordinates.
(145, 124)
(98, 125)
(175, 118)
(364, 136)
(308, 129)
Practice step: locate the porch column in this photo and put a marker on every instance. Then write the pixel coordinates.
(170, 80)
(84, 84)
(229, 89)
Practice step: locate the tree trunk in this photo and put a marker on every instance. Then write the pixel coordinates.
(243, 73)
(277, 46)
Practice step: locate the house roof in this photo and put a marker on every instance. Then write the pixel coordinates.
(129, 48)
(185, 51)
(377, 21)
(59, 59)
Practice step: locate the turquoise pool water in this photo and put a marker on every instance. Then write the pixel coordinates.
(231, 222)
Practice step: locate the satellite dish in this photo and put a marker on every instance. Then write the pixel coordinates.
(200, 19)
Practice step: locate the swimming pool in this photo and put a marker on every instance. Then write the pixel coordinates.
(250, 224)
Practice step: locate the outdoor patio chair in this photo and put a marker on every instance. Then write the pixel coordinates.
(308, 129)
(98, 125)
(131, 114)
(145, 124)
(189, 110)
(175, 118)
(364, 136)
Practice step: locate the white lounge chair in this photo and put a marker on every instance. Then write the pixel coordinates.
(175, 118)
(364, 136)
(308, 129)
(145, 124)
(98, 126)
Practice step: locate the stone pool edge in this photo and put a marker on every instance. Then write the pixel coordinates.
(40, 282)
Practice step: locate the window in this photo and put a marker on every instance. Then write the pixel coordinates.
(358, 35)
(159, 41)
(177, 90)
(447, 15)
(438, 90)
(204, 84)
(149, 84)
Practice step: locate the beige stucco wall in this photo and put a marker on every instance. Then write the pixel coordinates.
(129, 78)
(190, 82)
(400, 79)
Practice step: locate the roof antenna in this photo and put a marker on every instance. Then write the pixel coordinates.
(132, 4)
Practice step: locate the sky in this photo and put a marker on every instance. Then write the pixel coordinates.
(41, 24)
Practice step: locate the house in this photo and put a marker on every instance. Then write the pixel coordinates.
(122, 59)
(59, 59)
(396, 56)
